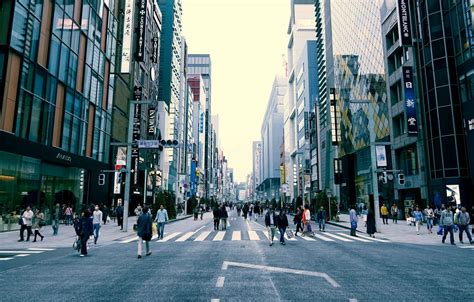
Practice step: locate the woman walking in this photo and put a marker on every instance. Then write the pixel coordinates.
(85, 231)
(371, 223)
(418, 219)
(394, 212)
(429, 214)
(38, 224)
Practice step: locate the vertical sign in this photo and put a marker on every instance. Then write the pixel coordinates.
(404, 30)
(381, 156)
(141, 30)
(410, 104)
(154, 53)
(127, 36)
(151, 120)
(137, 95)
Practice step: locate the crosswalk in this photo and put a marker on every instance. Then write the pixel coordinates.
(6, 255)
(257, 235)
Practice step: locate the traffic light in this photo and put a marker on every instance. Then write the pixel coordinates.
(101, 179)
(401, 179)
(169, 143)
(383, 177)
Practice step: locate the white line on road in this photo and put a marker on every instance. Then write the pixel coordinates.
(220, 282)
(338, 237)
(200, 229)
(215, 300)
(129, 240)
(202, 236)
(185, 236)
(219, 236)
(374, 239)
(265, 233)
(22, 255)
(353, 300)
(323, 238)
(5, 259)
(354, 238)
(307, 238)
(467, 247)
(253, 235)
(290, 239)
(236, 236)
(226, 264)
(21, 252)
(169, 237)
(39, 249)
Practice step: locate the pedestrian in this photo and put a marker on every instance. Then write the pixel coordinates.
(297, 220)
(363, 214)
(144, 232)
(418, 219)
(26, 220)
(282, 222)
(201, 211)
(85, 231)
(371, 223)
(447, 221)
(55, 220)
(196, 212)
(223, 217)
(138, 211)
(437, 213)
(250, 212)
(105, 213)
(217, 216)
(353, 220)
(161, 219)
(429, 214)
(97, 218)
(68, 214)
(119, 213)
(463, 221)
(256, 211)
(394, 212)
(306, 219)
(38, 224)
(270, 223)
(239, 209)
(384, 213)
(321, 218)
(245, 210)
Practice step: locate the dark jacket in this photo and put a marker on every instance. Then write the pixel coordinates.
(119, 211)
(217, 213)
(282, 221)
(85, 227)
(371, 222)
(267, 219)
(297, 218)
(321, 215)
(223, 213)
(144, 225)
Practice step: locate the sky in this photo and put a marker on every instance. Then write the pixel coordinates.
(246, 40)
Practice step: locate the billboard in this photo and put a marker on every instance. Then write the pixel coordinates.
(453, 194)
(381, 156)
(410, 102)
(127, 36)
(404, 29)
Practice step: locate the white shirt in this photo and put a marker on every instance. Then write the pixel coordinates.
(27, 217)
(97, 217)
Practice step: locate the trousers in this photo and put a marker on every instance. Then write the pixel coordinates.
(140, 246)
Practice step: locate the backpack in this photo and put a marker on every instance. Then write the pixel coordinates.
(77, 226)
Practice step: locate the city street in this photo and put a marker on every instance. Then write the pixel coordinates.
(196, 263)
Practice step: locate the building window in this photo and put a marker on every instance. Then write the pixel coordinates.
(408, 160)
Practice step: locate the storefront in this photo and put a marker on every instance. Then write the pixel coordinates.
(41, 177)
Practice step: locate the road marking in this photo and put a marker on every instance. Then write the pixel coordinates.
(353, 300)
(39, 249)
(236, 236)
(307, 238)
(226, 264)
(171, 236)
(354, 238)
(129, 240)
(22, 255)
(338, 237)
(228, 223)
(202, 236)
(323, 238)
(5, 259)
(215, 300)
(265, 233)
(219, 236)
(220, 282)
(253, 235)
(21, 252)
(291, 239)
(374, 239)
(185, 236)
(200, 229)
(467, 247)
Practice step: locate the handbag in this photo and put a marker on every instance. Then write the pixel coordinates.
(20, 221)
(354, 224)
(289, 234)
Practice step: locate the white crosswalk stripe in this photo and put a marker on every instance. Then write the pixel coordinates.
(236, 236)
(185, 237)
(202, 236)
(169, 237)
(253, 235)
(354, 238)
(6, 255)
(323, 238)
(338, 237)
(374, 239)
(307, 238)
(219, 236)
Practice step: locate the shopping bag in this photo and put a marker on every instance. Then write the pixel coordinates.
(154, 228)
(440, 230)
(289, 234)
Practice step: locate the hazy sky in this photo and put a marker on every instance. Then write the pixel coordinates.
(246, 40)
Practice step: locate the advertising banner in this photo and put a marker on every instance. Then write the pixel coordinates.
(404, 29)
(381, 156)
(410, 102)
(127, 36)
(141, 32)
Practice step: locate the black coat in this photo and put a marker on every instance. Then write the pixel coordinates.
(282, 221)
(217, 213)
(86, 228)
(267, 219)
(144, 225)
(223, 213)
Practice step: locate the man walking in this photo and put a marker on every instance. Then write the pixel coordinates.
(97, 218)
(297, 220)
(144, 231)
(447, 221)
(216, 213)
(256, 210)
(463, 220)
(384, 213)
(429, 214)
(161, 219)
(223, 216)
(270, 223)
(26, 222)
(68, 213)
(119, 212)
(55, 221)
(84, 231)
(321, 218)
(282, 222)
(394, 212)
(353, 219)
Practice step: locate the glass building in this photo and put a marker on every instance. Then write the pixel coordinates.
(352, 94)
(56, 61)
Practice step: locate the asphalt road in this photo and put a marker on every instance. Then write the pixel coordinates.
(239, 265)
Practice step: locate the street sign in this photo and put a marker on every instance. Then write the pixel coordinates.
(149, 144)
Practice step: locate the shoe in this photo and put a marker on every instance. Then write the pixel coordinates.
(271, 243)
(443, 240)
(42, 237)
(148, 254)
(20, 240)
(139, 256)
(283, 243)
(82, 255)
(461, 242)
(453, 243)
(472, 242)
(33, 241)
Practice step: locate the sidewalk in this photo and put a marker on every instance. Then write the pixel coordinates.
(399, 232)
(66, 235)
